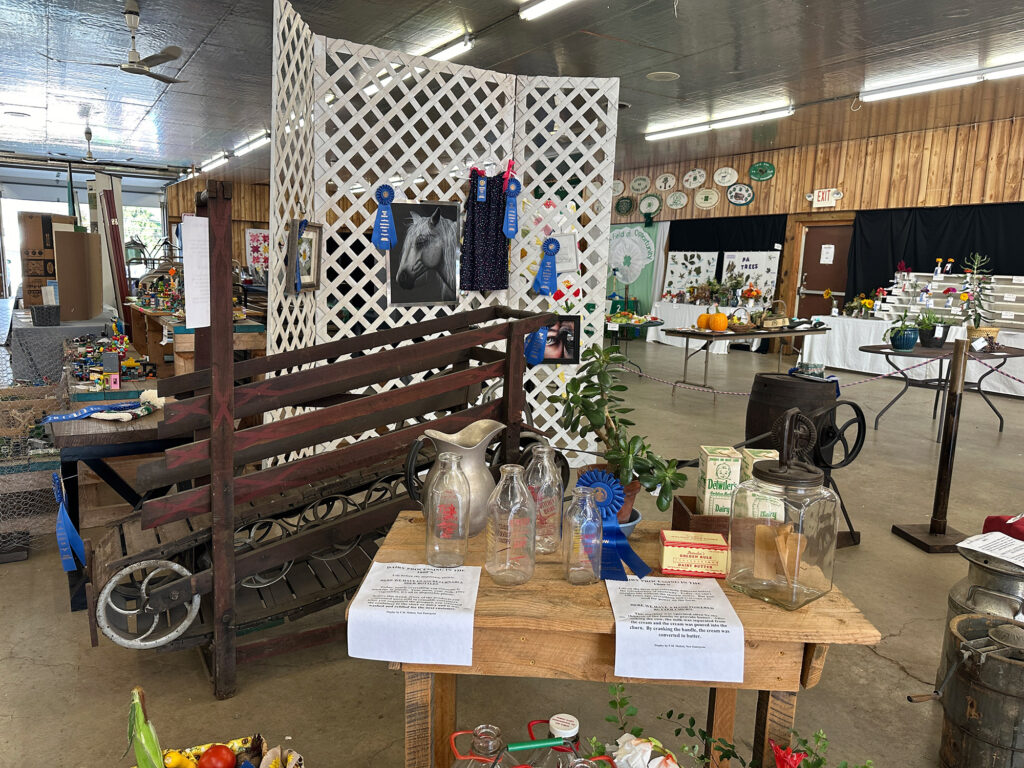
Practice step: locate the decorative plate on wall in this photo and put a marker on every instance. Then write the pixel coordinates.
(694, 178)
(640, 184)
(762, 171)
(706, 198)
(726, 176)
(677, 200)
(740, 194)
(624, 206)
(618, 187)
(649, 204)
(665, 182)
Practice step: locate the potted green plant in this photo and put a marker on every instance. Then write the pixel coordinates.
(902, 334)
(930, 329)
(975, 292)
(594, 404)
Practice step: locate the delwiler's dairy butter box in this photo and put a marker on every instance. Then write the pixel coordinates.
(685, 553)
(718, 477)
(751, 456)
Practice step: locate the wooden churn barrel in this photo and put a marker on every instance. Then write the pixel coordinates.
(772, 394)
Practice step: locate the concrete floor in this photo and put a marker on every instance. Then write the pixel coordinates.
(64, 703)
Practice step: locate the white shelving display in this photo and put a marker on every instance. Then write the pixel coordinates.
(1003, 299)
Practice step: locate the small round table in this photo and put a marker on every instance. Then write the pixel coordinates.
(625, 342)
(942, 354)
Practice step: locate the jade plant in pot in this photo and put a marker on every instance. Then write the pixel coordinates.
(902, 334)
(594, 404)
(930, 329)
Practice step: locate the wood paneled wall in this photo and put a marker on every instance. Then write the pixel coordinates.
(980, 163)
(250, 208)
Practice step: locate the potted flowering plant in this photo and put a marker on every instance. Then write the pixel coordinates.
(973, 294)
(902, 334)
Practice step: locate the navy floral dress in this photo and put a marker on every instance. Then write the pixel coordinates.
(484, 245)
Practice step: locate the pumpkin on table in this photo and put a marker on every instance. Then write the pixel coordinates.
(703, 321)
(719, 322)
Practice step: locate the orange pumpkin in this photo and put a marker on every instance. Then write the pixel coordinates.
(719, 322)
(704, 321)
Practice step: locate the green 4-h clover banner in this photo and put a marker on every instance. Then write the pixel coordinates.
(636, 256)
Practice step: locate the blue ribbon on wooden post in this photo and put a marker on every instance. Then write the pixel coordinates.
(69, 542)
(546, 280)
(511, 209)
(615, 550)
(384, 235)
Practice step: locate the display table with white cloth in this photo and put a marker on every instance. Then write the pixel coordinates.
(683, 317)
(840, 350)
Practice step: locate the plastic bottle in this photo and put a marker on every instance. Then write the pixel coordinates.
(545, 484)
(447, 507)
(511, 529)
(581, 538)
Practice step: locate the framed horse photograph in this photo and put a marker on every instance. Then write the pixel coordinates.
(423, 264)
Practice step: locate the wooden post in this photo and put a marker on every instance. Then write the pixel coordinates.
(514, 396)
(936, 537)
(721, 722)
(429, 719)
(776, 711)
(222, 393)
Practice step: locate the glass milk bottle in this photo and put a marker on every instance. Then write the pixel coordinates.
(446, 504)
(545, 484)
(581, 538)
(511, 529)
(561, 726)
(487, 745)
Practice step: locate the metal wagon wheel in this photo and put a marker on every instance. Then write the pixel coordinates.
(253, 536)
(323, 510)
(123, 613)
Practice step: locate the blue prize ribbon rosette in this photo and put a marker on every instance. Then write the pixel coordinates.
(69, 542)
(511, 225)
(536, 343)
(615, 550)
(384, 236)
(547, 273)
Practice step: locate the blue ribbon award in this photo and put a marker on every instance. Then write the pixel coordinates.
(511, 225)
(615, 550)
(384, 236)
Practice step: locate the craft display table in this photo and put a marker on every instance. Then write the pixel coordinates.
(37, 351)
(707, 338)
(995, 359)
(547, 628)
(147, 336)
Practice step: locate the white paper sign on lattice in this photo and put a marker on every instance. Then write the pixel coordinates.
(686, 268)
(759, 267)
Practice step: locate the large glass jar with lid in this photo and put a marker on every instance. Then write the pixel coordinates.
(782, 533)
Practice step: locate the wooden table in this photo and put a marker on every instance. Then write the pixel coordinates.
(147, 335)
(709, 337)
(942, 354)
(549, 629)
(249, 336)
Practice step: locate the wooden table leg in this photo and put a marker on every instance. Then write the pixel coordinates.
(776, 712)
(429, 719)
(721, 720)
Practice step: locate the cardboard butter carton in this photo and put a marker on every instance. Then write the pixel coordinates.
(690, 553)
(718, 477)
(751, 456)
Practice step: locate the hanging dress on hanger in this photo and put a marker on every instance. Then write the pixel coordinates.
(484, 261)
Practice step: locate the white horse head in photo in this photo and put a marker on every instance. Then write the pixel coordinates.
(429, 247)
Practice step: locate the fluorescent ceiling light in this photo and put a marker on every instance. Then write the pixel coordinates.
(714, 125)
(212, 163)
(756, 117)
(1009, 70)
(248, 146)
(921, 86)
(536, 10)
(452, 50)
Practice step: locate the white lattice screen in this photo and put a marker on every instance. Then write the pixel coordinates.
(419, 124)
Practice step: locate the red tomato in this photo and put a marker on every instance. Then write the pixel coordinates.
(217, 756)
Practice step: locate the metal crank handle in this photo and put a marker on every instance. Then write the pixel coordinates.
(920, 698)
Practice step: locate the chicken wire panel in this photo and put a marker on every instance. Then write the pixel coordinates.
(565, 154)
(291, 319)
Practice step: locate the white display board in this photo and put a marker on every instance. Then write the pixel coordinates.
(349, 117)
(759, 267)
(686, 268)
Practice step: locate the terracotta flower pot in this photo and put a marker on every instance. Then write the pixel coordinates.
(632, 491)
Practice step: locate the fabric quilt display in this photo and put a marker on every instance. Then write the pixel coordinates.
(484, 264)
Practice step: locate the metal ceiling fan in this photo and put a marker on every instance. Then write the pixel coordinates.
(88, 157)
(136, 65)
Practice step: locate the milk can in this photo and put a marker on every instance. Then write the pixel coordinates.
(991, 586)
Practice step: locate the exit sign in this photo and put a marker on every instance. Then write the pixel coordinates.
(824, 198)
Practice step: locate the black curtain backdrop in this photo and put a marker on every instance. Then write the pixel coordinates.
(739, 233)
(919, 236)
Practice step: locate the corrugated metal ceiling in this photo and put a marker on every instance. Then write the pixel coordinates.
(729, 54)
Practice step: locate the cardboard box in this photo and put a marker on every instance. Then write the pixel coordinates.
(687, 553)
(79, 275)
(36, 231)
(751, 456)
(718, 477)
(38, 268)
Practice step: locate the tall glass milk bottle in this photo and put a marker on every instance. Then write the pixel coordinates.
(581, 538)
(511, 529)
(545, 484)
(446, 504)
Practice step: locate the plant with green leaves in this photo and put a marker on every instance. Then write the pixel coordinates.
(977, 288)
(927, 320)
(899, 325)
(594, 404)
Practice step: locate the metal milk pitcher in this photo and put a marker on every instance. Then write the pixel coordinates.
(471, 444)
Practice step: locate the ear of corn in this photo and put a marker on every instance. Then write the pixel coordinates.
(142, 734)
